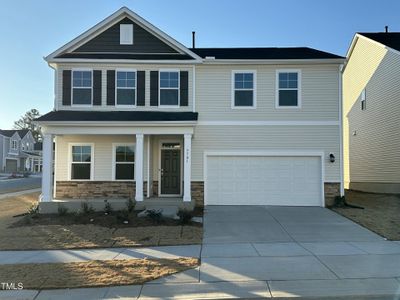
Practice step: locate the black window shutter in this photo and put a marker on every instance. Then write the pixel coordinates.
(66, 88)
(97, 87)
(110, 87)
(154, 88)
(184, 88)
(141, 82)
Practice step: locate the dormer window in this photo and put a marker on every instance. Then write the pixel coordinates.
(126, 34)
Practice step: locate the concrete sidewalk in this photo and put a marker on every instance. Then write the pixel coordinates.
(66, 256)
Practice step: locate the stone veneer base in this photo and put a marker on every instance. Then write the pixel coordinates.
(126, 190)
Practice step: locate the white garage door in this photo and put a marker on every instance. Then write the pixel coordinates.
(263, 180)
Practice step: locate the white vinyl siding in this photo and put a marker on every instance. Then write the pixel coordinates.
(103, 154)
(267, 138)
(372, 135)
(319, 93)
(104, 67)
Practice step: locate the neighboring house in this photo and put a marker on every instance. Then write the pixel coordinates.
(17, 151)
(37, 167)
(138, 115)
(371, 113)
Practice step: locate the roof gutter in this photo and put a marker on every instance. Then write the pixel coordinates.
(116, 123)
(274, 61)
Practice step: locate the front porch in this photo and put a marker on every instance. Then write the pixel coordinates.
(95, 165)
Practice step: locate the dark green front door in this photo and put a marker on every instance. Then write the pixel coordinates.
(170, 172)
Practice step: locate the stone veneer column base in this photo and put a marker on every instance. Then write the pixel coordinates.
(331, 189)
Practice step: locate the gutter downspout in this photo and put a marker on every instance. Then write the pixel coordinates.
(341, 129)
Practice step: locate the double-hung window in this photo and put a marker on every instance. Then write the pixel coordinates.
(169, 88)
(124, 162)
(243, 89)
(126, 88)
(82, 89)
(288, 88)
(81, 162)
(14, 144)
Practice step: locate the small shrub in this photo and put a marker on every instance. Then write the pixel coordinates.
(154, 215)
(86, 208)
(33, 210)
(340, 201)
(123, 215)
(62, 210)
(185, 216)
(130, 205)
(107, 208)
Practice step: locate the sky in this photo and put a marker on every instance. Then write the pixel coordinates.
(32, 29)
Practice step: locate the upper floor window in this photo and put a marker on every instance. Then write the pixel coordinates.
(363, 100)
(169, 88)
(126, 34)
(82, 87)
(14, 144)
(243, 89)
(126, 88)
(288, 89)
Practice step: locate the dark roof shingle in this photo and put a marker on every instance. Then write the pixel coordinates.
(264, 53)
(10, 133)
(112, 116)
(390, 39)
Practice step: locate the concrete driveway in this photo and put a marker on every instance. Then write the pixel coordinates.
(296, 250)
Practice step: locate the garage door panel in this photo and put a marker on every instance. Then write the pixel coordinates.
(263, 180)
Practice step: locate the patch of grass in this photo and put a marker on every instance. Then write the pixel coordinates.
(93, 273)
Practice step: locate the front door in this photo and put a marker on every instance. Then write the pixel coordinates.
(170, 171)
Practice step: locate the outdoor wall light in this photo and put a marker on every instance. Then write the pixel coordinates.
(331, 157)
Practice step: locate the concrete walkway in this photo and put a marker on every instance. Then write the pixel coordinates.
(254, 252)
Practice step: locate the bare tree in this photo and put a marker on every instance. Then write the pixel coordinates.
(25, 122)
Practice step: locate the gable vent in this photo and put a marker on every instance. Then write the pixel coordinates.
(126, 34)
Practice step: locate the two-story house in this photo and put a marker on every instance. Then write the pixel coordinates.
(16, 151)
(371, 113)
(138, 115)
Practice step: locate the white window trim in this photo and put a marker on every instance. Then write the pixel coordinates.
(12, 145)
(72, 88)
(116, 88)
(254, 89)
(298, 71)
(114, 162)
(70, 145)
(178, 88)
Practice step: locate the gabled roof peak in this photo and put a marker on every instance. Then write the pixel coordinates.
(112, 20)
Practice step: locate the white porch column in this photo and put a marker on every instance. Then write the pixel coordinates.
(187, 168)
(47, 174)
(139, 167)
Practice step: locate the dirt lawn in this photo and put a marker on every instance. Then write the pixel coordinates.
(93, 273)
(381, 212)
(60, 236)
